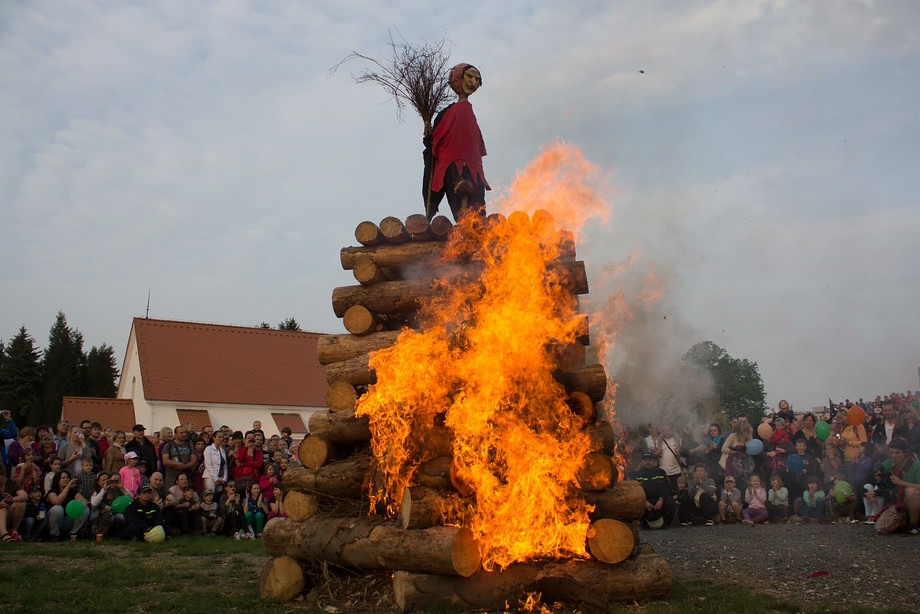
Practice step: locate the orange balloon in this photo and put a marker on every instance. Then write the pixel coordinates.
(765, 431)
(856, 415)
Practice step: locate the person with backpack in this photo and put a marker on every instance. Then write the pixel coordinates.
(178, 457)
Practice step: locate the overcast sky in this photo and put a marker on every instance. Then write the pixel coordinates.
(762, 156)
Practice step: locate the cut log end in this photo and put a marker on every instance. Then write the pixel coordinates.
(465, 555)
(440, 227)
(368, 233)
(282, 579)
(393, 230)
(597, 472)
(611, 541)
(341, 396)
(418, 227)
(314, 452)
(299, 506)
(359, 320)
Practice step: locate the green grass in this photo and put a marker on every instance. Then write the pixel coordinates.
(183, 575)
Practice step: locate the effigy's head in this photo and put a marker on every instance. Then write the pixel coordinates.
(464, 79)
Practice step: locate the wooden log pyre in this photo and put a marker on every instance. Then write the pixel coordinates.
(342, 479)
(423, 507)
(361, 544)
(440, 227)
(314, 452)
(336, 348)
(585, 584)
(300, 506)
(597, 472)
(341, 396)
(356, 371)
(612, 541)
(418, 227)
(368, 273)
(393, 230)
(625, 501)
(368, 233)
(282, 579)
(340, 427)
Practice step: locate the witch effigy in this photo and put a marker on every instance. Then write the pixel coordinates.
(454, 150)
(415, 76)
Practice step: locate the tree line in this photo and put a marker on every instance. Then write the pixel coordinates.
(33, 382)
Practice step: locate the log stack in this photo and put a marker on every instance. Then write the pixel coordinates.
(438, 564)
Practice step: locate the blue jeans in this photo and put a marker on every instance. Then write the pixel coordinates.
(58, 521)
(31, 528)
(818, 511)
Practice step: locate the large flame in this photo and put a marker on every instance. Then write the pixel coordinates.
(481, 365)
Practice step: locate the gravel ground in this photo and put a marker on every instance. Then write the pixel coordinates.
(864, 569)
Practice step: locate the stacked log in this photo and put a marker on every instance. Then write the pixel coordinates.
(436, 562)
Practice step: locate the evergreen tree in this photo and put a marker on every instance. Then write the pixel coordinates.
(21, 377)
(63, 365)
(100, 373)
(289, 324)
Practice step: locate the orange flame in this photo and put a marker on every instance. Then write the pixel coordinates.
(482, 365)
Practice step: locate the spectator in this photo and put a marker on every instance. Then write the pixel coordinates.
(276, 507)
(700, 500)
(810, 506)
(144, 449)
(142, 515)
(63, 491)
(256, 509)
(12, 507)
(756, 498)
(44, 452)
(232, 520)
(806, 433)
(216, 468)
(164, 436)
(86, 478)
(890, 428)
(61, 437)
(248, 461)
(779, 445)
(114, 458)
(33, 519)
(181, 507)
(54, 467)
(912, 428)
(18, 446)
(654, 481)
(777, 499)
(670, 448)
(904, 510)
(210, 515)
(130, 474)
(95, 443)
(872, 502)
(103, 518)
(735, 460)
(159, 489)
(286, 437)
(178, 456)
(27, 473)
(730, 501)
(72, 453)
(850, 437)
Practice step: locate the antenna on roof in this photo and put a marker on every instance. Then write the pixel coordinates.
(147, 315)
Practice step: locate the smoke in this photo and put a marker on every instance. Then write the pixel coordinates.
(640, 338)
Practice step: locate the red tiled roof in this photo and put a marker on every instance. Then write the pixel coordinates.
(292, 420)
(117, 413)
(212, 363)
(198, 417)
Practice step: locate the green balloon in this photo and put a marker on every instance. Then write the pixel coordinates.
(842, 490)
(823, 430)
(120, 504)
(75, 509)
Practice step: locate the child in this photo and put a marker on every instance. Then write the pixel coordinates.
(130, 474)
(54, 466)
(267, 482)
(778, 504)
(209, 516)
(730, 503)
(681, 495)
(872, 502)
(33, 521)
(810, 506)
(86, 478)
(256, 510)
(841, 512)
(277, 504)
(756, 498)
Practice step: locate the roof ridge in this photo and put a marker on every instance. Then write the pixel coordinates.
(234, 327)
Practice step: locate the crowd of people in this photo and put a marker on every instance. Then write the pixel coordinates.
(94, 482)
(853, 462)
